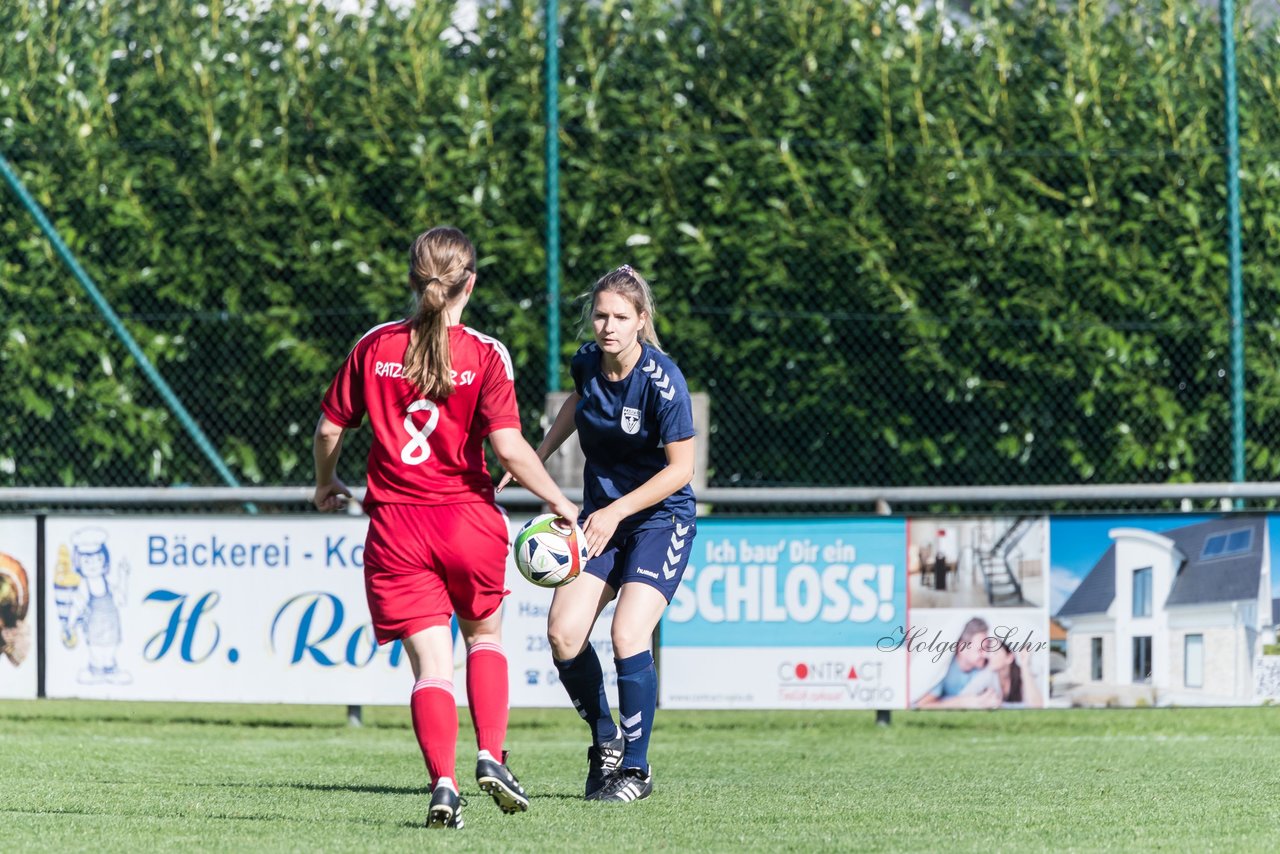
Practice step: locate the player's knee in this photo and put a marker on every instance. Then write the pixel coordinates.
(566, 641)
(488, 636)
(629, 640)
(483, 630)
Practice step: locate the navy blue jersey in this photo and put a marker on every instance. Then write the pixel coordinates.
(623, 426)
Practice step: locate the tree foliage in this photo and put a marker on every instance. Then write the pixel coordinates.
(894, 247)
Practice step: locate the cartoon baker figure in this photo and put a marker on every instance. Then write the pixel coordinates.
(95, 605)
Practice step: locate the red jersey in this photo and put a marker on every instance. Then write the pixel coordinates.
(425, 451)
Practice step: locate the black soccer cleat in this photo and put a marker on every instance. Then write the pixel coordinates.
(627, 785)
(496, 779)
(446, 808)
(602, 761)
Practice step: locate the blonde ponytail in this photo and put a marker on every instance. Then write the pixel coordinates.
(440, 265)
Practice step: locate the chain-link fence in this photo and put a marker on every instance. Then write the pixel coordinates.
(956, 244)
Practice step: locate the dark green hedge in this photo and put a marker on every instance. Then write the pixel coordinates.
(986, 244)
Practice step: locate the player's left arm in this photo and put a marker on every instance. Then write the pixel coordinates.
(676, 475)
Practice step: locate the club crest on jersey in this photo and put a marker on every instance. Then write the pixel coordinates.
(630, 420)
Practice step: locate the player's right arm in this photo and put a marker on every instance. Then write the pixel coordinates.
(343, 407)
(561, 429)
(331, 493)
(523, 463)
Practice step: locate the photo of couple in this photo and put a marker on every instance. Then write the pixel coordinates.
(984, 667)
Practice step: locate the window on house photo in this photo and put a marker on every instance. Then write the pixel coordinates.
(1095, 659)
(1142, 592)
(1142, 659)
(1228, 543)
(1193, 661)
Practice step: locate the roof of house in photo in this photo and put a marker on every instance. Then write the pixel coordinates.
(1223, 559)
(1096, 591)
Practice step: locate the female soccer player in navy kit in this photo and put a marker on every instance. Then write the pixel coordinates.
(631, 409)
(437, 543)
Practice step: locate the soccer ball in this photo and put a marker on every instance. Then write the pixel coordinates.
(548, 553)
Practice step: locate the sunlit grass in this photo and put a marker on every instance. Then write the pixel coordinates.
(143, 776)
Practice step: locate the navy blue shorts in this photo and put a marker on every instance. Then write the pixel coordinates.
(653, 556)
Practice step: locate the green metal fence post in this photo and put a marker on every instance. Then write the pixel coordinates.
(113, 320)
(552, 75)
(1233, 238)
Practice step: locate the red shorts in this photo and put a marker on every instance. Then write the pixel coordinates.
(423, 563)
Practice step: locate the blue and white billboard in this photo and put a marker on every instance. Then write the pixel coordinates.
(776, 613)
(213, 609)
(267, 609)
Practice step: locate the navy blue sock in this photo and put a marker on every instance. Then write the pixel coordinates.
(637, 701)
(584, 680)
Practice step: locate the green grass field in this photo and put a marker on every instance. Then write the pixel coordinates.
(142, 776)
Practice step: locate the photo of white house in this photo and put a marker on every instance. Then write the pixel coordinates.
(1169, 615)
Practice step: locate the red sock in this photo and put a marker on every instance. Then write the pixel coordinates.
(435, 723)
(488, 694)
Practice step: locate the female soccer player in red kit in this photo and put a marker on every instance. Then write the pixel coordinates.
(437, 543)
